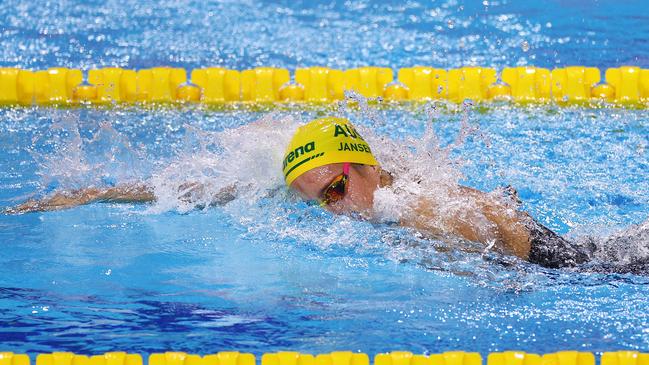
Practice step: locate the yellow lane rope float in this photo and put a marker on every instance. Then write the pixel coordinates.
(626, 85)
(334, 358)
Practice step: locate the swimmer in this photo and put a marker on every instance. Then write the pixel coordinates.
(328, 163)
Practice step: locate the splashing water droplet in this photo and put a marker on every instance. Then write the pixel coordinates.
(525, 46)
(431, 111)
(369, 113)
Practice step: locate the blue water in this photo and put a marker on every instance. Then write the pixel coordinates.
(268, 273)
(342, 34)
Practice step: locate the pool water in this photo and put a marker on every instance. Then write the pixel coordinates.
(266, 272)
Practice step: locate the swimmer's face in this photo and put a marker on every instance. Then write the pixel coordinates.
(359, 197)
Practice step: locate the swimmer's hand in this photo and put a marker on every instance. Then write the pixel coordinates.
(197, 193)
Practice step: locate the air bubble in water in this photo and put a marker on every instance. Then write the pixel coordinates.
(525, 46)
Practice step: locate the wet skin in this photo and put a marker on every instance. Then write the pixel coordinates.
(359, 195)
(489, 221)
(483, 217)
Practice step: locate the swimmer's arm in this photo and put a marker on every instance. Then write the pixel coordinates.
(511, 224)
(130, 193)
(507, 227)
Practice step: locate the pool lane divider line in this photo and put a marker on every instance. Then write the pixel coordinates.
(623, 86)
(334, 358)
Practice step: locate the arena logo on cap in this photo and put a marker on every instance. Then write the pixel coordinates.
(299, 151)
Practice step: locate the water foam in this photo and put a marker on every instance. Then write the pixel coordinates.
(244, 161)
(68, 161)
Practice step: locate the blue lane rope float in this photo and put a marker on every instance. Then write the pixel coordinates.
(625, 86)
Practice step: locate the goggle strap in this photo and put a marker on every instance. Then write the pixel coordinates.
(346, 168)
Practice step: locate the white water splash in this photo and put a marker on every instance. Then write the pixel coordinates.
(74, 162)
(424, 169)
(627, 247)
(245, 160)
(249, 158)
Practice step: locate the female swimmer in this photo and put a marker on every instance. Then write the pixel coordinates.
(328, 162)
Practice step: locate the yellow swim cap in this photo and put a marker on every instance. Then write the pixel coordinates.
(324, 141)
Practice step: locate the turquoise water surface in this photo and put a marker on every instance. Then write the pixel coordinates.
(266, 272)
